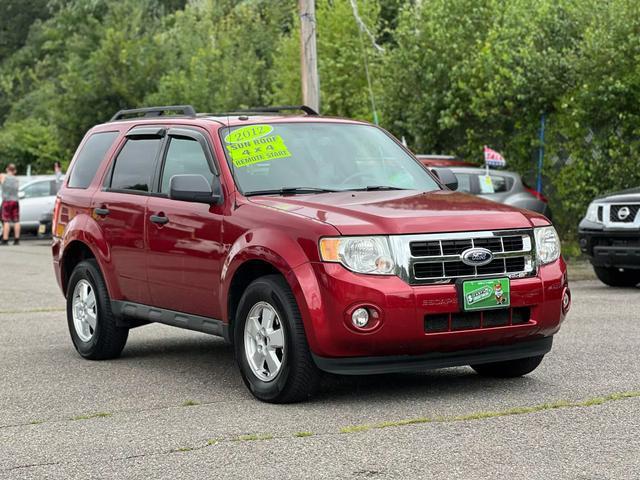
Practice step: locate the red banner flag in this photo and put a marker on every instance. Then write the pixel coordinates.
(493, 158)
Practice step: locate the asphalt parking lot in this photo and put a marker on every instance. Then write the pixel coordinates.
(174, 406)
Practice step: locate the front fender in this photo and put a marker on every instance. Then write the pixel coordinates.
(281, 251)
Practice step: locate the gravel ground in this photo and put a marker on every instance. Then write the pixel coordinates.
(174, 406)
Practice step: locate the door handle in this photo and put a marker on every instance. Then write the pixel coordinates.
(102, 211)
(159, 219)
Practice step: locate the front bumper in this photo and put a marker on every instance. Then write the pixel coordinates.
(327, 293)
(419, 363)
(611, 248)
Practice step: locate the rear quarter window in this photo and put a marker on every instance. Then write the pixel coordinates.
(501, 184)
(89, 159)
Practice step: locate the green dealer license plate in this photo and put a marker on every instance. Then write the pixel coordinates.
(485, 294)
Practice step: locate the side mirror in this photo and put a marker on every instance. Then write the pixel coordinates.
(447, 177)
(21, 194)
(194, 188)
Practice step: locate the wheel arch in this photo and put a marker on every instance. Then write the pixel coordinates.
(246, 273)
(83, 239)
(257, 253)
(74, 253)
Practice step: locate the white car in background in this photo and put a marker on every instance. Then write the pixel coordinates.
(37, 197)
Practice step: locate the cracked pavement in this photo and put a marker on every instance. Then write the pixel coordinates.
(174, 406)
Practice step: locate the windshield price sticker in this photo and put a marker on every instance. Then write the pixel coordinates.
(258, 150)
(486, 184)
(250, 132)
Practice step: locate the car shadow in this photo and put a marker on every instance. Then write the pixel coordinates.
(208, 359)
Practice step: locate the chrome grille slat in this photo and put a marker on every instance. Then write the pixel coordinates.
(513, 255)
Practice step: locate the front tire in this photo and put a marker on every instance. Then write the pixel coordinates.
(616, 278)
(92, 325)
(270, 343)
(510, 368)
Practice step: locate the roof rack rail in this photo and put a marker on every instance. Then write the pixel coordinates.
(307, 110)
(187, 111)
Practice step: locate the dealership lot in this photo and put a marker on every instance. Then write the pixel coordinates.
(174, 406)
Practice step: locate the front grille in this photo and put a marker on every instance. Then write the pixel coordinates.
(453, 322)
(512, 244)
(438, 257)
(630, 240)
(614, 213)
(455, 247)
(426, 249)
(428, 270)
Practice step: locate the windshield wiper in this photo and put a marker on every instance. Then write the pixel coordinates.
(373, 188)
(289, 191)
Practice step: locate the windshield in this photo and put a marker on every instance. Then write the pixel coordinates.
(317, 157)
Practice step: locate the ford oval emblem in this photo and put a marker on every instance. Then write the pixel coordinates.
(476, 257)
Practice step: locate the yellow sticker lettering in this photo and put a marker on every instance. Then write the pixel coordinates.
(248, 133)
(258, 150)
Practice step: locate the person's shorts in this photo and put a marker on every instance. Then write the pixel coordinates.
(10, 211)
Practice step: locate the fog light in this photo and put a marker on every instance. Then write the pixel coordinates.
(360, 317)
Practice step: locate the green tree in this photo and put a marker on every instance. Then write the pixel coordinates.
(341, 56)
(30, 142)
(16, 18)
(598, 121)
(217, 55)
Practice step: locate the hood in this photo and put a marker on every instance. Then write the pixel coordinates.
(629, 195)
(403, 212)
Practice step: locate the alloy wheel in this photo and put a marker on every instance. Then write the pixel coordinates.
(264, 345)
(85, 310)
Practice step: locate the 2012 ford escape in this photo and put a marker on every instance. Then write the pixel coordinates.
(309, 243)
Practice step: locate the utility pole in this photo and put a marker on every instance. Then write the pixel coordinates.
(308, 56)
(541, 153)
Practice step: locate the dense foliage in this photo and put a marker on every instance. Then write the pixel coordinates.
(449, 76)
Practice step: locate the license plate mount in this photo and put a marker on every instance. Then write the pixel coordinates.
(486, 294)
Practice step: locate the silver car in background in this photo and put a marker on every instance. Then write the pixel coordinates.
(505, 187)
(37, 196)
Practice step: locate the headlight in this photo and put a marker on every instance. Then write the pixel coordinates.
(592, 213)
(547, 245)
(359, 254)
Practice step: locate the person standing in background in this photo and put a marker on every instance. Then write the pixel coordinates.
(10, 210)
(57, 170)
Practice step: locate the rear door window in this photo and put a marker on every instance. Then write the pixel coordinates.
(135, 164)
(497, 184)
(90, 158)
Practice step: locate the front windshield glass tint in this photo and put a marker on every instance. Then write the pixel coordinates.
(328, 156)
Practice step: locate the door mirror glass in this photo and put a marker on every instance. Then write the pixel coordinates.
(447, 177)
(194, 188)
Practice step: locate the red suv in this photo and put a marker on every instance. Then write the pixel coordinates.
(309, 243)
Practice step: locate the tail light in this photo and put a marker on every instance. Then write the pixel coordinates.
(55, 219)
(537, 194)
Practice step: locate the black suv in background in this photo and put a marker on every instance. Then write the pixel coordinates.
(610, 237)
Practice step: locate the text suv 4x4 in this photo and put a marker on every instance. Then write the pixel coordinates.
(309, 243)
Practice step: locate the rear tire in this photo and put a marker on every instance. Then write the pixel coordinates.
(510, 368)
(616, 278)
(272, 373)
(92, 324)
